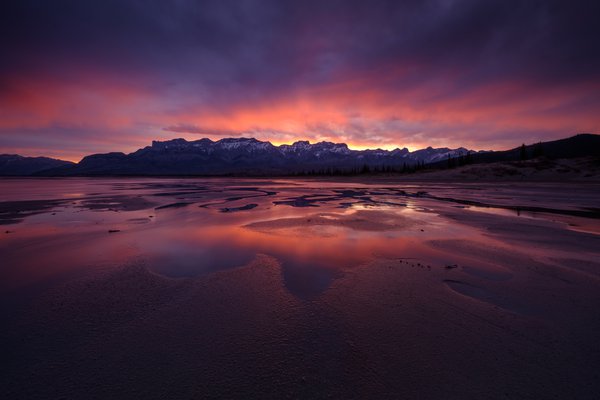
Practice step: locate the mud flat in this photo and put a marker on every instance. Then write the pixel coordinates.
(373, 291)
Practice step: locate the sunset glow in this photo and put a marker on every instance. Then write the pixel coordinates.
(118, 75)
(307, 199)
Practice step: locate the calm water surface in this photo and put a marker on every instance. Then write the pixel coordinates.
(58, 228)
(299, 288)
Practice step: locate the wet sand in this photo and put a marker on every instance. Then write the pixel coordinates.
(324, 290)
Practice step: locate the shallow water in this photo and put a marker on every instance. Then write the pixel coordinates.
(184, 228)
(529, 253)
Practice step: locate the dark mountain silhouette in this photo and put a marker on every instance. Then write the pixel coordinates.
(15, 165)
(581, 145)
(246, 156)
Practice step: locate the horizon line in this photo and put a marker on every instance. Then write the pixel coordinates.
(353, 147)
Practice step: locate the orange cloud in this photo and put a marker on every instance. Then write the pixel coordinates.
(382, 109)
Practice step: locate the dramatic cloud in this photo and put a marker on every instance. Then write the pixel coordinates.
(80, 77)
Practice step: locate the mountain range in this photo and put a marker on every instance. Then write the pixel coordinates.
(15, 165)
(248, 156)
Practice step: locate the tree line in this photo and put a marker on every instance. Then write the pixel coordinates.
(365, 169)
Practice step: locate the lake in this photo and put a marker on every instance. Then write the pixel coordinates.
(299, 288)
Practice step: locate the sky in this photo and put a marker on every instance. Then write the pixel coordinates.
(81, 77)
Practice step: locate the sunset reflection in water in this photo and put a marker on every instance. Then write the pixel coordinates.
(317, 244)
(187, 228)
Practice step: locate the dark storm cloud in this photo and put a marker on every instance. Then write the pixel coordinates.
(261, 43)
(169, 64)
